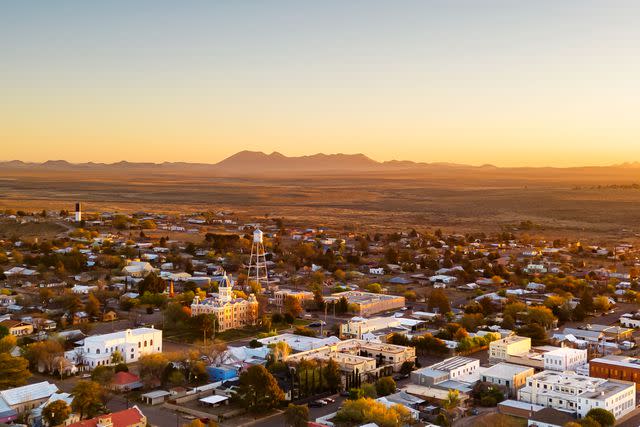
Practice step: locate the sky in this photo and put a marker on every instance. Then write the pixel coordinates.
(510, 83)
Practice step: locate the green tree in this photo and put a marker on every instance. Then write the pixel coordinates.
(14, 371)
(258, 390)
(296, 415)
(56, 413)
(385, 386)
(103, 375)
(332, 375)
(87, 399)
(4, 331)
(152, 284)
(602, 416)
(369, 390)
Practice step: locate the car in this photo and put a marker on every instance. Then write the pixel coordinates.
(474, 411)
(344, 393)
(330, 400)
(317, 403)
(86, 376)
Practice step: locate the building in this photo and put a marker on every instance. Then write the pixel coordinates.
(564, 359)
(361, 356)
(78, 215)
(513, 345)
(281, 295)
(132, 417)
(19, 400)
(125, 381)
(506, 375)
(549, 417)
(367, 303)
(578, 394)
(17, 328)
(98, 350)
(378, 327)
(230, 312)
(137, 269)
(457, 368)
(616, 367)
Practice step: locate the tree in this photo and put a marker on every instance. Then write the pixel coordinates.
(332, 375)
(4, 331)
(438, 300)
(292, 306)
(385, 386)
(8, 343)
(102, 375)
(87, 399)
(369, 390)
(14, 371)
(92, 307)
(601, 303)
(296, 415)
(152, 284)
(258, 390)
(56, 412)
(602, 416)
(152, 367)
(534, 331)
(542, 316)
(407, 367)
(365, 410)
(41, 355)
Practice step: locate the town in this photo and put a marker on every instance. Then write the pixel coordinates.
(130, 319)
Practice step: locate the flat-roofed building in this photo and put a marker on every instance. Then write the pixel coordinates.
(500, 349)
(388, 356)
(616, 367)
(454, 368)
(564, 359)
(367, 303)
(578, 394)
(507, 375)
(280, 296)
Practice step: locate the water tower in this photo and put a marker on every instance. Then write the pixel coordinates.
(258, 260)
(78, 216)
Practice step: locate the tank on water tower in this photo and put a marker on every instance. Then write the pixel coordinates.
(258, 260)
(78, 212)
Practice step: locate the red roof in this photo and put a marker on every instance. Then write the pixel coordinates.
(124, 378)
(126, 418)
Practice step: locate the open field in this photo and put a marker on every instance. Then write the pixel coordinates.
(466, 202)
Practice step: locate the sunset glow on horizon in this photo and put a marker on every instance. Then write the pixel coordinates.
(507, 83)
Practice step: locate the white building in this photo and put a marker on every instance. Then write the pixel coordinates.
(98, 350)
(507, 375)
(578, 393)
(564, 359)
(456, 368)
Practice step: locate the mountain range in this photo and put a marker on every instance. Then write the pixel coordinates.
(256, 162)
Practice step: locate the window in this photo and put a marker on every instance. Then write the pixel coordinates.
(98, 351)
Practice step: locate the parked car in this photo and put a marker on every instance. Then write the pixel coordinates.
(330, 400)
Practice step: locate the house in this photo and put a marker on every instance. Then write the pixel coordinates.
(79, 317)
(137, 269)
(125, 381)
(109, 316)
(42, 324)
(507, 375)
(17, 328)
(83, 289)
(132, 417)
